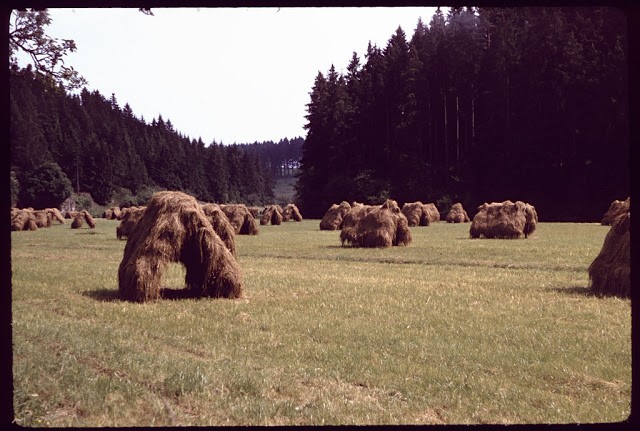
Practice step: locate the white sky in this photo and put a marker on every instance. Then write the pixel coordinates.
(229, 75)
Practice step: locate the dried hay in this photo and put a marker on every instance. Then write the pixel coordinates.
(23, 220)
(415, 213)
(243, 222)
(221, 225)
(350, 221)
(107, 214)
(255, 211)
(71, 214)
(174, 228)
(432, 213)
(610, 272)
(616, 209)
(382, 226)
(43, 218)
(457, 214)
(332, 219)
(505, 220)
(129, 221)
(291, 212)
(56, 215)
(271, 214)
(80, 218)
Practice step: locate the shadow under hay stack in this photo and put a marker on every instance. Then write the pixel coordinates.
(506, 220)
(457, 214)
(332, 219)
(610, 272)
(174, 228)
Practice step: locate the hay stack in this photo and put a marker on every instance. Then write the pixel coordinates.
(129, 221)
(432, 213)
(71, 214)
(610, 272)
(221, 226)
(42, 217)
(55, 215)
(382, 226)
(23, 220)
(80, 218)
(243, 222)
(616, 209)
(506, 220)
(174, 228)
(271, 214)
(416, 213)
(351, 219)
(457, 214)
(332, 219)
(291, 212)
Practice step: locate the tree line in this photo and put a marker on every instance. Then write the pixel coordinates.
(98, 147)
(480, 105)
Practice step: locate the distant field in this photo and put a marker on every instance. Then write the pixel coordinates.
(445, 331)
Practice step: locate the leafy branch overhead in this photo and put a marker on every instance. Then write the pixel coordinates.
(27, 34)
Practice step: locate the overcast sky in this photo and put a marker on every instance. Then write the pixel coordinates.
(230, 75)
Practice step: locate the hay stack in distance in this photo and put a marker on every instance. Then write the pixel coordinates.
(174, 228)
(616, 209)
(610, 272)
(457, 214)
(432, 213)
(271, 214)
(382, 226)
(130, 218)
(291, 212)
(221, 226)
(243, 222)
(80, 218)
(332, 219)
(416, 213)
(56, 215)
(43, 218)
(505, 220)
(23, 220)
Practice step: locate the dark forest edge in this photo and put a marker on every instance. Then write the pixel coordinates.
(89, 145)
(481, 105)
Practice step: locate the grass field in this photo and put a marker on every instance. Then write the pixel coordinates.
(445, 331)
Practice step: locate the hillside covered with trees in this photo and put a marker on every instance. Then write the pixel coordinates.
(101, 148)
(480, 105)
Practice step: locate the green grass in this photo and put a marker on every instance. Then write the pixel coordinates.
(446, 330)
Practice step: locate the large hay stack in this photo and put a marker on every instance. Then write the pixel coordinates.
(71, 214)
(291, 212)
(22, 219)
(271, 214)
(457, 214)
(610, 272)
(616, 209)
(174, 228)
(243, 222)
(506, 220)
(130, 219)
(80, 218)
(221, 226)
(332, 219)
(383, 226)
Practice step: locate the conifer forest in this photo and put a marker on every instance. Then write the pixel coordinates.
(477, 105)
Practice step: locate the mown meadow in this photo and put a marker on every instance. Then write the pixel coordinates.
(448, 330)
